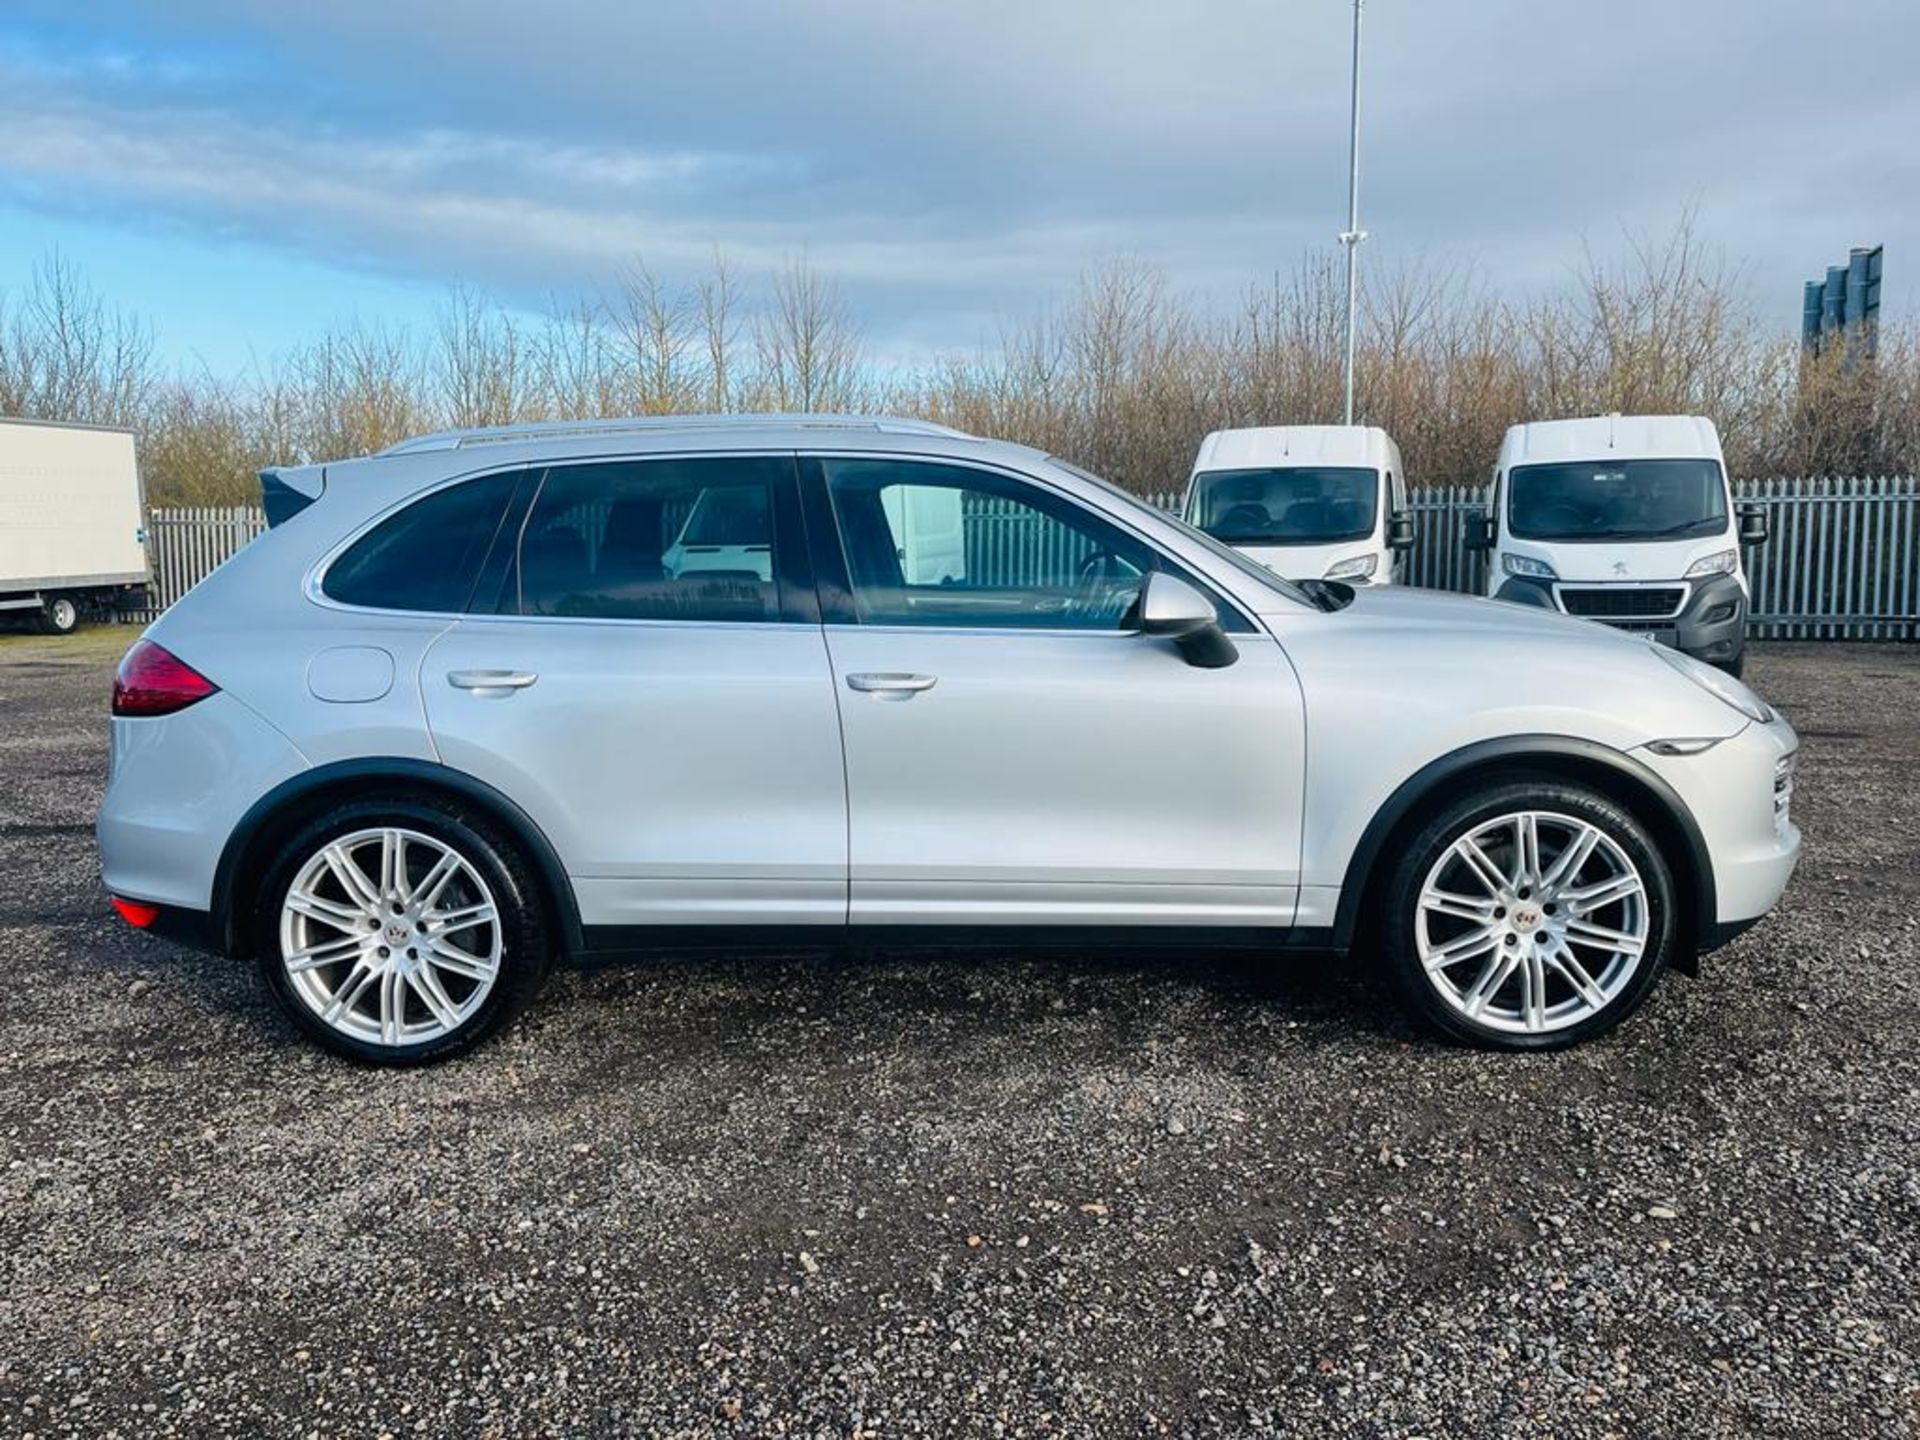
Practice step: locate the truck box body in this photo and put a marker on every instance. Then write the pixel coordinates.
(71, 511)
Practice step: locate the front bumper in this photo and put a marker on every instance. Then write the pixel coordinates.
(1751, 840)
(1711, 625)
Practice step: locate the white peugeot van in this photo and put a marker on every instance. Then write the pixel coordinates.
(1310, 502)
(1628, 520)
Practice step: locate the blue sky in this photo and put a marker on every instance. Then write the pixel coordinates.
(246, 174)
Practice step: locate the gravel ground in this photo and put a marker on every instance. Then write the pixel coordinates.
(1019, 1195)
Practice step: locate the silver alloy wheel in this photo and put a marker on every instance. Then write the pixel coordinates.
(1532, 922)
(390, 936)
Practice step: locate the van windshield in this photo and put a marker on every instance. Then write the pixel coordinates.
(1617, 500)
(1289, 505)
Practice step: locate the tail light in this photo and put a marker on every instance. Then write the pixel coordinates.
(154, 681)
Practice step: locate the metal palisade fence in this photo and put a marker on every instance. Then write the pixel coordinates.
(1842, 562)
(184, 544)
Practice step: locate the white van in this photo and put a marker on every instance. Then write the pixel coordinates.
(729, 531)
(1310, 502)
(1625, 519)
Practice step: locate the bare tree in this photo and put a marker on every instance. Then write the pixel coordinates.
(580, 372)
(657, 326)
(66, 354)
(808, 345)
(480, 369)
(719, 329)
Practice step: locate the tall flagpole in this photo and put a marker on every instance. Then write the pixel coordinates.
(1353, 234)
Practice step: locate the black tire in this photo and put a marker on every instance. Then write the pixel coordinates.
(59, 615)
(526, 930)
(1400, 953)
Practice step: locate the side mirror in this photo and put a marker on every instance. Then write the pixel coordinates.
(1400, 531)
(1171, 609)
(1754, 527)
(1479, 532)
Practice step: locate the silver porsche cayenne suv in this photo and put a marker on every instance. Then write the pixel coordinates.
(492, 700)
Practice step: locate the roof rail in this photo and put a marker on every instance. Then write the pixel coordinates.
(662, 424)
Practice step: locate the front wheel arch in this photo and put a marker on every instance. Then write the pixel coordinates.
(1561, 758)
(277, 815)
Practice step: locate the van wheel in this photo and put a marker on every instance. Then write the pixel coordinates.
(1528, 917)
(401, 932)
(59, 615)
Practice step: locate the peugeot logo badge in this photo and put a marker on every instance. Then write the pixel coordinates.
(1619, 567)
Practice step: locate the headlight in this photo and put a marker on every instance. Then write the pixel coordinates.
(1527, 566)
(1357, 567)
(1721, 562)
(1723, 685)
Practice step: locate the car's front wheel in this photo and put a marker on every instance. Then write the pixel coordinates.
(401, 932)
(1533, 915)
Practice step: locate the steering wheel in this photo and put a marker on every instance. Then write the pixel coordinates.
(1245, 518)
(1093, 584)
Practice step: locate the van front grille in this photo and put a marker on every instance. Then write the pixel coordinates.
(1622, 602)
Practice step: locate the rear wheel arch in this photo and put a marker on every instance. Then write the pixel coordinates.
(279, 814)
(1564, 760)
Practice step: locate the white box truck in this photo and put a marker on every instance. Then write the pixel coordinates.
(73, 538)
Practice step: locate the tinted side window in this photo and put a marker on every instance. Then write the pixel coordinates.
(652, 540)
(931, 544)
(427, 556)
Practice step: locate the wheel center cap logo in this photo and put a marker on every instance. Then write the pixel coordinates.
(1526, 918)
(397, 933)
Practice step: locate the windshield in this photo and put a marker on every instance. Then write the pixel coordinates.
(1304, 504)
(1617, 500)
(1251, 568)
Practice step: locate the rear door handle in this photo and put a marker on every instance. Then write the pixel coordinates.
(891, 685)
(491, 682)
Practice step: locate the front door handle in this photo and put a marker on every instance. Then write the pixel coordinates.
(891, 685)
(491, 682)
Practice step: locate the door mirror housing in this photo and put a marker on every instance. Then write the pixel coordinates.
(1479, 534)
(1399, 531)
(1754, 528)
(1171, 609)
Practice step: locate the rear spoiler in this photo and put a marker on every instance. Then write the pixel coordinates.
(284, 493)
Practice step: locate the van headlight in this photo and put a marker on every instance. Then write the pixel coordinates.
(1721, 684)
(1721, 562)
(1354, 567)
(1527, 568)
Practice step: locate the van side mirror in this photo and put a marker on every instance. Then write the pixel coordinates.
(1754, 527)
(1171, 609)
(1399, 531)
(1479, 532)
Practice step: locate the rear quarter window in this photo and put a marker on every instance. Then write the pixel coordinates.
(428, 556)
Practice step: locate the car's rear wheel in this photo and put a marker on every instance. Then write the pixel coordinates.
(1528, 917)
(401, 932)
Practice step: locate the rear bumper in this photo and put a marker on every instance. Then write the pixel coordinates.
(179, 785)
(195, 929)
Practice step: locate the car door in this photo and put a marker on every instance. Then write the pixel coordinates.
(1016, 752)
(671, 727)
